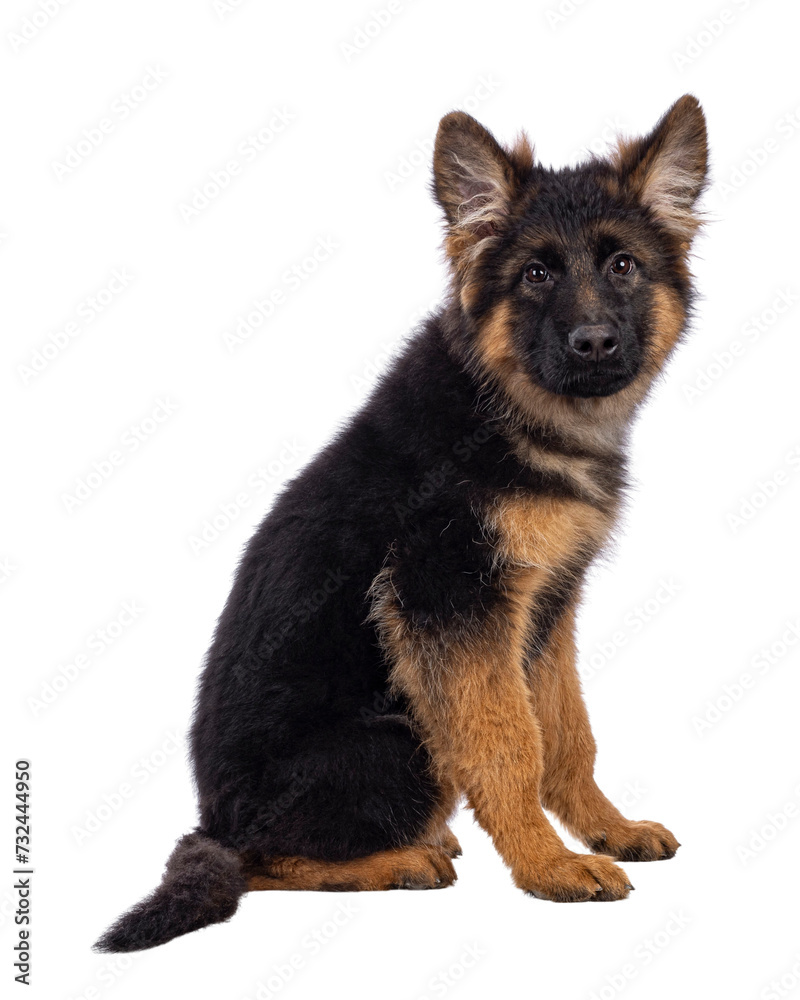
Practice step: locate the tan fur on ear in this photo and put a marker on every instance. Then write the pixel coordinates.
(666, 170)
(474, 179)
(521, 153)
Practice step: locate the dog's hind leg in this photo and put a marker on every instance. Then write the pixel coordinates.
(424, 863)
(426, 866)
(361, 791)
(438, 832)
(449, 843)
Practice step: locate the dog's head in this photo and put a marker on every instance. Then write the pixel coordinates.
(571, 283)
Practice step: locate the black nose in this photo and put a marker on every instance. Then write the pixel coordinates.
(594, 343)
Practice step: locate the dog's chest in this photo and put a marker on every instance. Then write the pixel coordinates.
(549, 533)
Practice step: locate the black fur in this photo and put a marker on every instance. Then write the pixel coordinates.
(297, 744)
(290, 714)
(202, 884)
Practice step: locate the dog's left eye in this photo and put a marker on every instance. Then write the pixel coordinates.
(622, 264)
(536, 274)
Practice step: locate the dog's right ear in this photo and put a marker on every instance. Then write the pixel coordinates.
(474, 180)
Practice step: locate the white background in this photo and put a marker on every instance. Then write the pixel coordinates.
(681, 739)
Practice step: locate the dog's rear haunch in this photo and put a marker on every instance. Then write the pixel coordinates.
(401, 630)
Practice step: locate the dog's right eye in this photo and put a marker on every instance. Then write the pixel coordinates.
(536, 274)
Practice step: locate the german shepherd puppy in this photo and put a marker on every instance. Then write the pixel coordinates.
(401, 630)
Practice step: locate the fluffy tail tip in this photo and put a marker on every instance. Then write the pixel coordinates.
(202, 885)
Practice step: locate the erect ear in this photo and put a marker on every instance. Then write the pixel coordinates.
(474, 178)
(666, 170)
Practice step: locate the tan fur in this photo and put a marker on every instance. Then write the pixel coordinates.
(568, 787)
(665, 169)
(668, 321)
(477, 181)
(511, 733)
(544, 532)
(495, 343)
(469, 292)
(422, 865)
(521, 154)
(661, 183)
(470, 697)
(416, 867)
(584, 474)
(438, 832)
(598, 424)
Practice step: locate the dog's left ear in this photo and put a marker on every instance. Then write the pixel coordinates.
(666, 170)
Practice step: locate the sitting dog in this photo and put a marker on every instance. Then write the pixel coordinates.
(401, 630)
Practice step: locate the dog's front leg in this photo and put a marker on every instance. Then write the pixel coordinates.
(467, 688)
(568, 786)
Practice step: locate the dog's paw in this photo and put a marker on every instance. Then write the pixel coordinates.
(450, 844)
(576, 878)
(426, 867)
(642, 841)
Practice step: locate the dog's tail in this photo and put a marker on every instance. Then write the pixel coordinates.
(202, 884)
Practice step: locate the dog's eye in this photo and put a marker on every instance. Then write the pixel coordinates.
(622, 264)
(536, 274)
